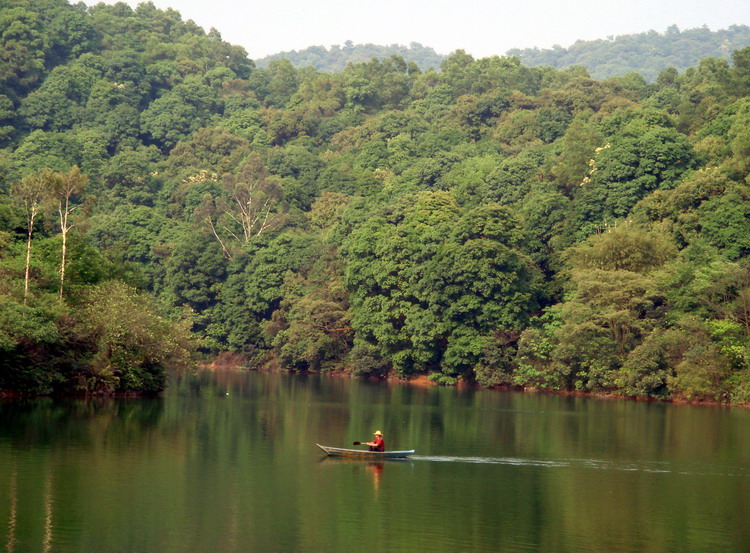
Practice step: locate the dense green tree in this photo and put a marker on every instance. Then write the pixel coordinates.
(430, 297)
(724, 221)
(132, 174)
(58, 103)
(47, 150)
(210, 149)
(23, 49)
(643, 155)
(7, 114)
(112, 108)
(130, 234)
(479, 285)
(741, 71)
(28, 338)
(282, 82)
(253, 290)
(542, 215)
(614, 304)
(192, 270)
(133, 343)
(578, 147)
(312, 330)
(70, 31)
(179, 113)
(381, 274)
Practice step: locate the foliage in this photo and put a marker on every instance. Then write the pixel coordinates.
(337, 57)
(133, 344)
(647, 53)
(493, 221)
(311, 329)
(28, 334)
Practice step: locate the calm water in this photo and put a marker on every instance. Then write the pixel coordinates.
(226, 462)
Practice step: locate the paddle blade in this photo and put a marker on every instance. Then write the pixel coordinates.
(356, 443)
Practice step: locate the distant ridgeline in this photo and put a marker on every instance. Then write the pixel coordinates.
(645, 53)
(335, 58)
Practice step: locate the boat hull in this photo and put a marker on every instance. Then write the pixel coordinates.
(364, 454)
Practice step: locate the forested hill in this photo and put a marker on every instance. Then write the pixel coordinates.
(646, 53)
(489, 222)
(336, 58)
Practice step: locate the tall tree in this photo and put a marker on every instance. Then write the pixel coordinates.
(31, 192)
(248, 210)
(63, 188)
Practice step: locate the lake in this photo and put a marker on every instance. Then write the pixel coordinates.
(227, 462)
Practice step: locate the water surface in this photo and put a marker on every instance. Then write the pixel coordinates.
(227, 462)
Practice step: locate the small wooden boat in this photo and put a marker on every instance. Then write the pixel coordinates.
(364, 454)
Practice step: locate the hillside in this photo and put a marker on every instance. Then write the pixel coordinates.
(336, 58)
(646, 53)
(491, 223)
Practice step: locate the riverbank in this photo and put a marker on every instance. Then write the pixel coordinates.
(228, 360)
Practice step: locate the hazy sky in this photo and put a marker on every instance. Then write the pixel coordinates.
(481, 27)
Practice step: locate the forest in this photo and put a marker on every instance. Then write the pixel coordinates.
(647, 53)
(337, 57)
(486, 223)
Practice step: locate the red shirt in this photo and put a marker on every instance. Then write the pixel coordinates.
(379, 444)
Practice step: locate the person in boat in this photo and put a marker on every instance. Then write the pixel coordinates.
(377, 444)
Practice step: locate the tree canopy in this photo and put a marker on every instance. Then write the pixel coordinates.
(484, 221)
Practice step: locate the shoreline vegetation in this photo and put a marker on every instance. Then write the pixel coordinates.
(225, 362)
(418, 380)
(162, 199)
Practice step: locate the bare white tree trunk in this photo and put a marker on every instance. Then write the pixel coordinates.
(30, 221)
(246, 211)
(70, 184)
(30, 191)
(64, 232)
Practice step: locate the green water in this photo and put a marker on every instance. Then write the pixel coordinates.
(227, 462)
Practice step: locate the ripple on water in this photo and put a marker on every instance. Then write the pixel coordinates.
(596, 464)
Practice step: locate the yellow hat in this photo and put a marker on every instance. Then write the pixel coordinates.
(378, 433)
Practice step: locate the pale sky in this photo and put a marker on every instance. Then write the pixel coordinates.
(481, 27)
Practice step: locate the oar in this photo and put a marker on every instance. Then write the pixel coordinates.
(356, 443)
